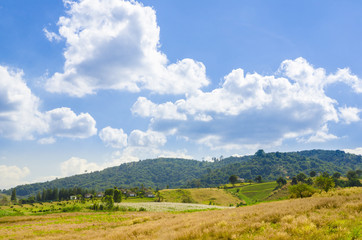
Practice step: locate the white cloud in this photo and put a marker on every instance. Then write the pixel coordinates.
(49, 140)
(357, 151)
(19, 114)
(115, 138)
(349, 114)
(115, 45)
(20, 117)
(322, 136)
(145, 108)
(63, 122)
(76, 165)
(51, 36)
(146, 139)
(251, 110)
(11, 176)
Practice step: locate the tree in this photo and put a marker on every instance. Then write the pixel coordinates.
(233, 179)
(260, 153)
(312, 174)
(281, 181)
(13, 195)
(117, 196)
(109, 192)
(336, 175)
(108, 200)
(324, 183)
(301, 177)
(258, 179)
(301, 190)
(352, 175)
(294, 181)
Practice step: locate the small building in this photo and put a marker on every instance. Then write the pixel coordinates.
(240, 180)
(131, 194)
(100, 194)
(88, 195)
(73, 197)
(149, 195)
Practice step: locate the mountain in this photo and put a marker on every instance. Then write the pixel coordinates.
(176, 173)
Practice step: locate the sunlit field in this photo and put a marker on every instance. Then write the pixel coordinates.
(335, 215)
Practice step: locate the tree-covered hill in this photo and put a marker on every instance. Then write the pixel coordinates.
(176, 173)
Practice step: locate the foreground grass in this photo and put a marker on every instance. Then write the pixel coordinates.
(336, 215)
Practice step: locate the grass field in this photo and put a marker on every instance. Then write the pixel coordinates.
(253, 193)
(335, 215)
(212, 196)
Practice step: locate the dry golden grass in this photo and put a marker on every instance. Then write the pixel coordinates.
(335, 215)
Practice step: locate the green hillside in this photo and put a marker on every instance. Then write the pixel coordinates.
(181, 173)
(254, 192)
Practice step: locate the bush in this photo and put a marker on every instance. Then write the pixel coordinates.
(301, 190)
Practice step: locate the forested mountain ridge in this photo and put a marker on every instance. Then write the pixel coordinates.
(176, 173)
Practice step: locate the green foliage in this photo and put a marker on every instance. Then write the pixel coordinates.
(281, 181)
(233, 179)
(301, 190)
(117, 197)
(13, 195)
(181, 173)
(109, 202)
(325, 183)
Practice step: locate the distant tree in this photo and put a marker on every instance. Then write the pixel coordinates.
(313, 174)
(260, 153)
(117, 196)
(353, 179)
(109, 192)
(281, 181)
(233, 179)
(359, 172)
(258, 179)
(38, 197)
(336, 175)
(324, 183)
(108, 200)
(4, 201)
(301, 190)
(309, 181)
(294, 181)
(13, 195)
(301, 177)
(325, 174)
(352, 175)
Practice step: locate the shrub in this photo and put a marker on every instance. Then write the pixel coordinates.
(301, 190)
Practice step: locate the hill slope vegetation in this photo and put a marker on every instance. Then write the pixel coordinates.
(181, 173)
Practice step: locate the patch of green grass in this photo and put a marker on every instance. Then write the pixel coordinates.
(253, 193)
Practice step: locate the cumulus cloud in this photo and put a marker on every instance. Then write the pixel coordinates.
(49, 140)
(11, 176)
(19, 114)
(146, 139)
(20, 117)
(76, 165)
(63, 122)
(115, 45)
(51, 36)
(357, 151)
(251, 110)
(115, 138)
(349, 114)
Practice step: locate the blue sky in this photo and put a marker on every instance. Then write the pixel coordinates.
(90, 84)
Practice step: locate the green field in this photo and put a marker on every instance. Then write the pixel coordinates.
(253, 193)
(211, 196)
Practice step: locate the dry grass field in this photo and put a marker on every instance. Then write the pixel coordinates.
(336, 215)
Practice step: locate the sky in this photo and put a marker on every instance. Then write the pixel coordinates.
(90, 84)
